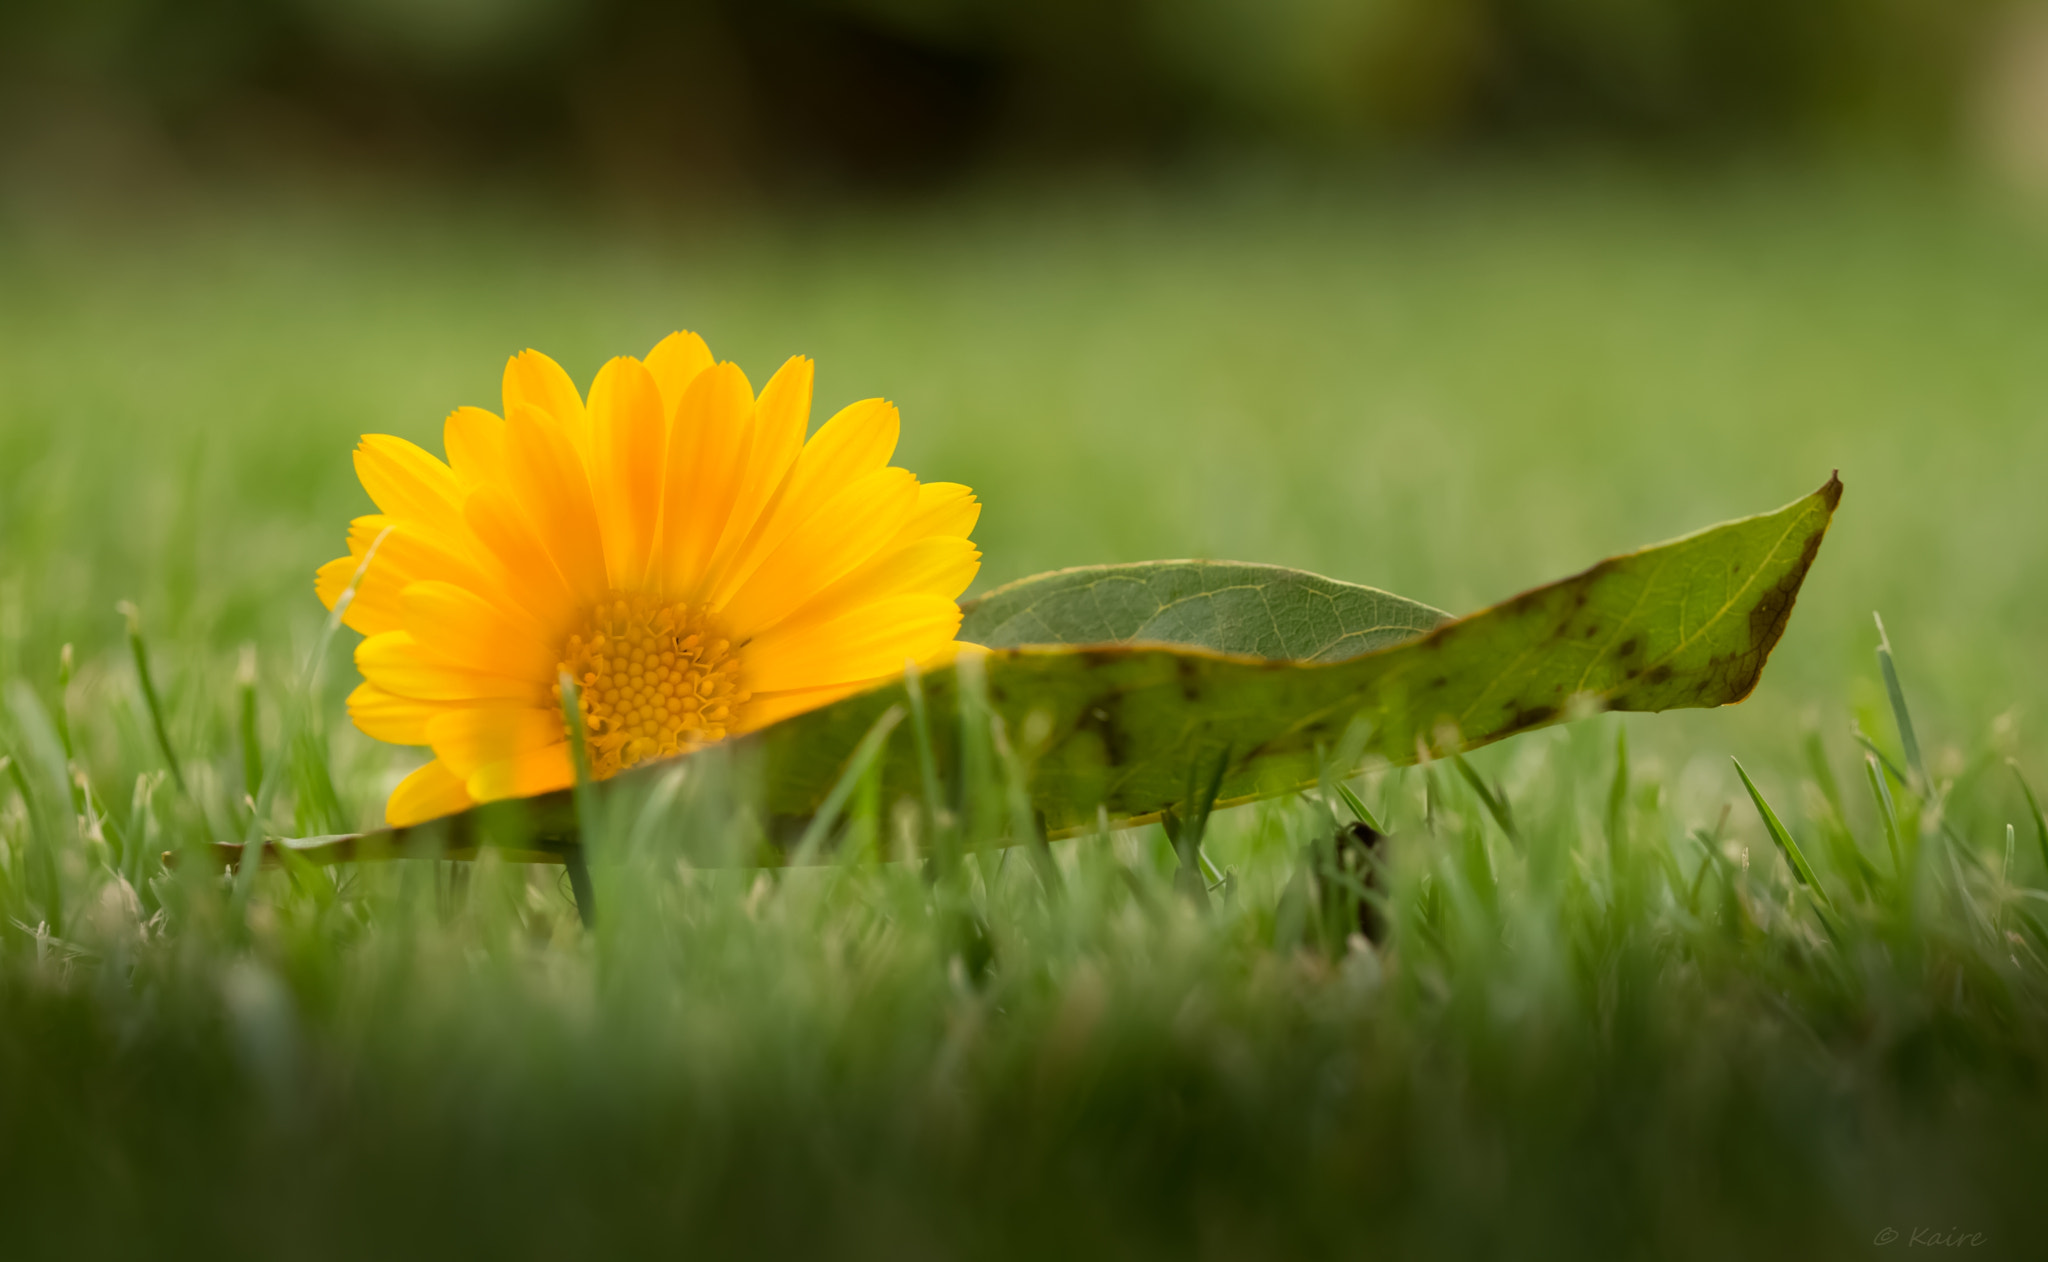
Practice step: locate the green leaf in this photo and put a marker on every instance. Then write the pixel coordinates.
(1228, 606)
(1116, 727)
(1683, 624)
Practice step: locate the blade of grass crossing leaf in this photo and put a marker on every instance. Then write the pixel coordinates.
(1186, 826)
(1793, 854)
(927, 760)
(1495, 803)
(827, 818)
(979, 814)
(577, 860)
(1326, 791)
(1024, 827)
(1907, 740)
(1210, 791)
(1357, 805)
(647, 823)
(1330, 772)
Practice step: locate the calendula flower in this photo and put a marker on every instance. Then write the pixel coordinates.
(672, 542)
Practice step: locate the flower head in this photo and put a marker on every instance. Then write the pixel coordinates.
(673, 542)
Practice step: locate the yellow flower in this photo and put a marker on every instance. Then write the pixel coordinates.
(673, 542)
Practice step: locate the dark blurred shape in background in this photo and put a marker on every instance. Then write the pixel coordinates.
(695, 94)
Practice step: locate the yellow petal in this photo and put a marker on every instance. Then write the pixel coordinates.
(538, 382)
(776, 706)
(386, 716)
(367, 615)
(943, 508)
(394, 662)
(855, 442)
(849, 529)
(475, 441)
(460, 628)
(404, 556)
(547, 479)
(775, 440)
(537, 771)
(471, 739)
(409, 484)
(629, 440)
(706, 445)
(939, 566)
(675, 362)
(870, 642)
(526, 570)
(429, 793)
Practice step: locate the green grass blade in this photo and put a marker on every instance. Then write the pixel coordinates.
(1496, 803)
(246, 725)
(140, 652)
(1907, 740)
(1884, 760)
(61, 716)
(1617, 794)
(577, 859)
(1357, 805)
(1887, 813)
(927, 758)
(1824, 774)
(1024, 827)
(827, 818)
(2033, 809)
(1793, 854)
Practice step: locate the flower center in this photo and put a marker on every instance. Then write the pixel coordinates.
(656, 680)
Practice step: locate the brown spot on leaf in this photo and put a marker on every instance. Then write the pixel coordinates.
(1101, 721)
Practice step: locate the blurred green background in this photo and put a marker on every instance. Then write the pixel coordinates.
(1448, 296)
(700, 92)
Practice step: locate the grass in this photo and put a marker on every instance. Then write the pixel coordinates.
(1610, 1011)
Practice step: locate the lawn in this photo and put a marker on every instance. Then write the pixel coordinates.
(1620, 1029)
